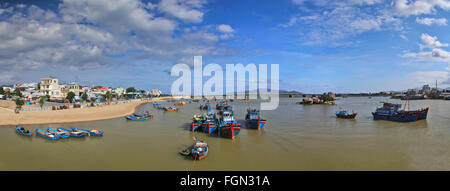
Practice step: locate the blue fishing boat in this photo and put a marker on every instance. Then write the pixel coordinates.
(254, 120)
(345, 115)
(209, 124)
(46, 134)
(227, 124)
(75, 134)
(199, 150)
(90, 132)
(158, 106)
(135, 118)
(205, 106)
(393, 112)
(197, 122)
(63, 135)
(22, 131)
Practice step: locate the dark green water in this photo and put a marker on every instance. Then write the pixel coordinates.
(296, 137)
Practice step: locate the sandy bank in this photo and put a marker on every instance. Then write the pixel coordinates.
(8, 117)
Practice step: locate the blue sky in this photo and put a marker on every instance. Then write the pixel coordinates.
(320, 45)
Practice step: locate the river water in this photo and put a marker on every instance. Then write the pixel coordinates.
(296, 137)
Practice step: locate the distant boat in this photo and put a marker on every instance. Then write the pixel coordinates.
(90, 132)
(171, 109)
(61, 134)
(345, 115)
(47, 135)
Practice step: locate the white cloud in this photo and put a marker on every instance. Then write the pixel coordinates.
(428, 77)
(188, 11)
(418, 7)
(431, 21)
(225, 28)
(430, 42)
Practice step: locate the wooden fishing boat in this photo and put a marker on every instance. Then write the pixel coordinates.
(47, 135)
(135, 118)
(227, 125)
(22, 131)
(60, 134)
(209, 124)
(146, 114)
(181, 103)
(174, 109)
(254, 120)
(345, 115)
(197, 121)
(199, 150)
(75, 134)
(90, 132)
(393, 112)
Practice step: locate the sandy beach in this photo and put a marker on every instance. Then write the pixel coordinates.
(8, 117)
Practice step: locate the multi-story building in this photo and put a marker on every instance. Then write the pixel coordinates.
(50, 86)
(72, 87)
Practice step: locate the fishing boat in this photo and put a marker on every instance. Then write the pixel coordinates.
(220, 106)
(75, 134)
(46, 134)
(136, 118)
(60, 134)
(345, 115)
(393, 112)
(199, 150)
(181, 103)
(197, 122)
(158, 106)
(205, 106)
(209, 124)
(145, 114)
(171, 109)
(254, 120)
(22, 131)
(90, 132)
(227, 124)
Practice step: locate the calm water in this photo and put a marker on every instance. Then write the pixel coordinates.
(296, 137)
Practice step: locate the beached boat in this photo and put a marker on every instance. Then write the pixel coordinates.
(254, 120)
(46, 134)
(171, 109)
(22, 131)
(345, 115)
(199, 150)
(90, 132)
(227, 124)
(61, 134)
(75, 134)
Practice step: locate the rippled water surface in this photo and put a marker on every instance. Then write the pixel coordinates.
(296, 137)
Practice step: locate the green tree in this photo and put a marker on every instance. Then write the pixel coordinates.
(131, 89)
(42, 101)
(2, 92)
(84, 97)
(17, 92)
(19, 103)
(70, 96)
(108, 96)
(93, 99)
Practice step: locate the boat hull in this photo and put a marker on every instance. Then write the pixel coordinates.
(229, 131)
(350, 116)
(21, 132)
(255, 123)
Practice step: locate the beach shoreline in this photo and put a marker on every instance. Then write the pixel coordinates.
(105, 112)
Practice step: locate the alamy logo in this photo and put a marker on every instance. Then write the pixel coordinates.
(258, 82)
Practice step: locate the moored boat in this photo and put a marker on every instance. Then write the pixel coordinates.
(393, 112)
(22, 131)
(171, 109)
(254, 120)
(209, 124)
(196, 123)
(181, 103)
(76, 134)
(90, 132)
(136, 118)
(227, 125)
(46, 134)
(61, 134)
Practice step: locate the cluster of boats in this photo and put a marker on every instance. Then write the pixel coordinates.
(59, 133)
(170, 108)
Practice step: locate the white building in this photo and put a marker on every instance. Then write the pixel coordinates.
(50, 86)
(156, 92)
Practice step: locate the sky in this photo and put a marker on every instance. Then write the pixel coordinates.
(347, 46)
